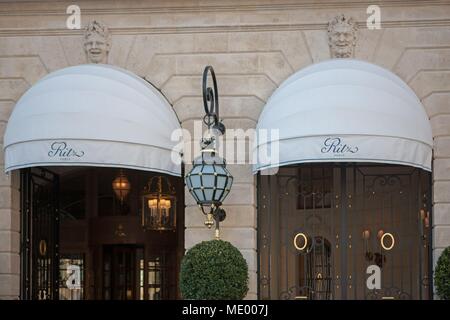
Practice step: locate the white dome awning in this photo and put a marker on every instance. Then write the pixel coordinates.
(92, 115)
(343, 110)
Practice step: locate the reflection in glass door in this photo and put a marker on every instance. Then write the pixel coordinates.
(121, 264)
(325, 230)
(129, 274)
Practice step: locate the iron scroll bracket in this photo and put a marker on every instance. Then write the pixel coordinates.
(211, 101)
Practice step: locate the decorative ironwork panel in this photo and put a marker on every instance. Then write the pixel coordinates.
(322, 228)
(40, 234)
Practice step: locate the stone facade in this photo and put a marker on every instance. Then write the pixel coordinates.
(253, 45)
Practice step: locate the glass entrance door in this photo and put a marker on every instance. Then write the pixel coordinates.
(79, 241)
(132, 273)
(344, 232)
(121, 272)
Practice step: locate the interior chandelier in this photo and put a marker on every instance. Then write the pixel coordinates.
(159, 205)
(121, 186)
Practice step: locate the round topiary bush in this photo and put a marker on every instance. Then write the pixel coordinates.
(442, 275)
(214, 270)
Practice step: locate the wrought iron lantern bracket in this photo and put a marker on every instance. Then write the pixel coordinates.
(209, 181)
(211, 102)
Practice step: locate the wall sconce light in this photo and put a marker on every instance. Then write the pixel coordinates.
(377, 257)
(367, 252)
(380, 233)
(366, 234)
(425, 217)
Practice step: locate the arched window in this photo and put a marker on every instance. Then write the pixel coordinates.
(314, 270)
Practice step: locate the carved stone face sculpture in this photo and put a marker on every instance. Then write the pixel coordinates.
(97, 42)
(342, 37)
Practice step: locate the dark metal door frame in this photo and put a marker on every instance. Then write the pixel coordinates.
(39, 234)
(269, 207)
(343, 240)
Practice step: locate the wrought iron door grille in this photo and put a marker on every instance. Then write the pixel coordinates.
(321, 226)
(40, 234)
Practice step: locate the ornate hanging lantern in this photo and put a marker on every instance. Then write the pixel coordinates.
(121, 186)
(209, 181)
(159, 205)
